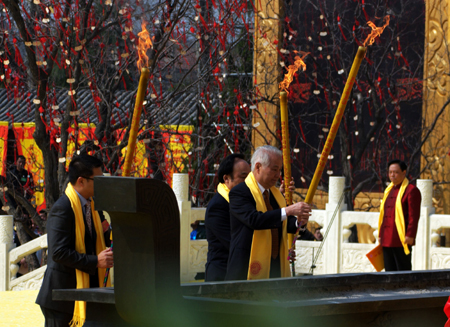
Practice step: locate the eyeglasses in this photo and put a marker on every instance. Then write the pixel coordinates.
(87, 178)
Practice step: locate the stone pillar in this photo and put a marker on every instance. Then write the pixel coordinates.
(436, 91)
(426, 190)
(180, 186)
(6, 244)
(267, 70)
(421, 251)
(336, 188)
(333, 242)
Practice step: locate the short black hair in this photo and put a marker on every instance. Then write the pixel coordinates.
(402, 164)
(21, 157)
(226, 166)
(82, 166)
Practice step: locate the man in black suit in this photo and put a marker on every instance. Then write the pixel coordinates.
(232, 171)
(63, 259)
(246, 220)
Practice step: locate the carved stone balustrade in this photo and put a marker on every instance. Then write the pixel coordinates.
(337, 255)
(10, 256)
(6, 244)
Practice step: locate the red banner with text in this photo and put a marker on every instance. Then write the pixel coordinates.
(3, 146)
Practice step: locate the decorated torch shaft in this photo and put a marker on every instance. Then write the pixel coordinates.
(286, 164)
(285, 146)
(330, 139)
(335, 124)
(142, 89)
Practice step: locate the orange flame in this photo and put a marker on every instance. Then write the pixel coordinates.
(376, 31)
(144, 44)
(299, 63)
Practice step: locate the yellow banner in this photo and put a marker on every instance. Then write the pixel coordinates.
(27, 147)
(139, 166)
(85, 132)
(3, 146)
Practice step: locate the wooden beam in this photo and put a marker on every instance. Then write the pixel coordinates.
(436, 91)
(267, 71)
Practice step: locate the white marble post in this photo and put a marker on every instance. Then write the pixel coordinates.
(6, 244)
(421, 259)
(180, 186)
(333, 242)
(426, 190)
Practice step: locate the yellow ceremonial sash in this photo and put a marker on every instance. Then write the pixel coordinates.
(223, 190)
(399, 218)
(260, 255)
(79, 313)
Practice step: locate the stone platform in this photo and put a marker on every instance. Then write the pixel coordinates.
(378, 299)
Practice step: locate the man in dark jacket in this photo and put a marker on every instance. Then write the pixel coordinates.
(258, 209)
(21, 180)
(232, 171)
(63, 259)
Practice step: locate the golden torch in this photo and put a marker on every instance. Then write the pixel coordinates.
(376, 31)
(284, 85)
(145, 43)
(335, 124)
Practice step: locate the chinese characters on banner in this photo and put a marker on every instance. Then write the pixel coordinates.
(27, 147)
(177, 139)
(3, 146)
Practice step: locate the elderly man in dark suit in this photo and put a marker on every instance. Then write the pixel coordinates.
(69, 217)
(399, 218)
(260, 221)
(232, 171)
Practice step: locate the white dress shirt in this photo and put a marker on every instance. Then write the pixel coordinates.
(83, 202)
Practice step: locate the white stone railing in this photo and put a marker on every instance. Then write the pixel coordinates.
(10, 256)
(337, 255)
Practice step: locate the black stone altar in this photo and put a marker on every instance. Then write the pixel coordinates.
(147, 290)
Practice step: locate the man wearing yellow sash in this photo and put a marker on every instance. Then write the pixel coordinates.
(260, 221)
(232, 171)
(399, 217)
(77, 253)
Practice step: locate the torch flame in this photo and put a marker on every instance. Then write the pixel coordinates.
(376, 31)
(145, 43)
(299, 63)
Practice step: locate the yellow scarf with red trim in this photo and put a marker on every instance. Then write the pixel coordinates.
(223, 190)
(399, 217)
(79, 313)
(260, 255)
